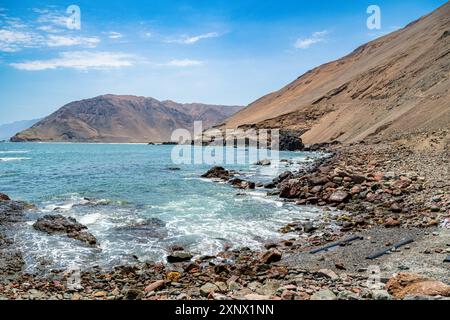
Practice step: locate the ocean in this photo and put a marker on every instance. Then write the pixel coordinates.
(137, 205)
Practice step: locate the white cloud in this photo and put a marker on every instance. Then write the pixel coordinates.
(12, 40)
(80, 60)
(194, 39)
(64, 41)
(184, 63)
(115, 35)
(316, 37)
(51, 17)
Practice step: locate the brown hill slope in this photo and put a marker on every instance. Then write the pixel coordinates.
(398, 83)
(112, 118)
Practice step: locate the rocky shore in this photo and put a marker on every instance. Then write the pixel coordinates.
(376, 194)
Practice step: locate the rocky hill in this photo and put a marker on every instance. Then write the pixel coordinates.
(397, 84)
(124, 119)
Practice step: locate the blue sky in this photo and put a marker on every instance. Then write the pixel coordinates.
(222, 52)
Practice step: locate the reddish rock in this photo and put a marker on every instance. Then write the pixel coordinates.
(4, 197)
(271, 256)
(154, 286)
(405, 283)
(391, 223)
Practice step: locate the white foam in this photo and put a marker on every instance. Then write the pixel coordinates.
(90, 218)
(14, 152)
(14, 159)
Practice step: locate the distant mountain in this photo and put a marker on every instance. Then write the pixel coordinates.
(395, 85)
(10, 129)
(113, 118)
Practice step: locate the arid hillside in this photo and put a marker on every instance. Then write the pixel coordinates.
(112, 118)
(396, 84)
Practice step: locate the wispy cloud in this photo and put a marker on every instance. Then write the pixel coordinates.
(16, 35)
(51, 18)
(114, 35)
(184, 63)
(13, 40)
(65, 41)
(80, 60)
(316, 37)
(193, 39)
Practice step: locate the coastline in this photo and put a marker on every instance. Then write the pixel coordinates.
(287, 270)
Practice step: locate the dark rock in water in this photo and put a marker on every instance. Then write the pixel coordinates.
(152, 228)
(265, 162)
(242, 184)
(290, 140)
(217, 173)
(179, 256)
(248, 185)
(285, 175)
(58, 224)
(270, 185)
(4, 197)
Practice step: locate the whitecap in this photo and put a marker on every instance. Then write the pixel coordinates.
(14, 159)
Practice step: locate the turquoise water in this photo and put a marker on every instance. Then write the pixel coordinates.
(116, 189)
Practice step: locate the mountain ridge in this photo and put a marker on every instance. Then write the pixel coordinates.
(122, 118)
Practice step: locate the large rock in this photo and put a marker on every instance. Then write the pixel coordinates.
(208, 288)
(290, 189)
(404, 284)
(290, 140)
(58, 224)
(271, 256)
(324, 294)
(4, 197)
(217, 173)
(179, 256)
(338, 196)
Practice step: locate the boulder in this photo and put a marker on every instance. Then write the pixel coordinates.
(208, 288)
(179, 256)
(265, 162)
(271, 256)
(290, 140)
(217, 173)
(338, 196)
(324, 294)
(406, 284)
(319, 181)
(4, 197)
(326, 273)
(290, 189)
(58, 224)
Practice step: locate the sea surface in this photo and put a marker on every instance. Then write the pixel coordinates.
(136, 205)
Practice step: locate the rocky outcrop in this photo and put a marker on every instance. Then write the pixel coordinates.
(217, 173)
(58, 224)
(290, 140)
(11, 213)
(4, 197)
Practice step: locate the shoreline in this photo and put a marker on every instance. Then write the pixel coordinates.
(287, 270)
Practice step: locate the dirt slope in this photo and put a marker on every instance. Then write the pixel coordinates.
(397, 83)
